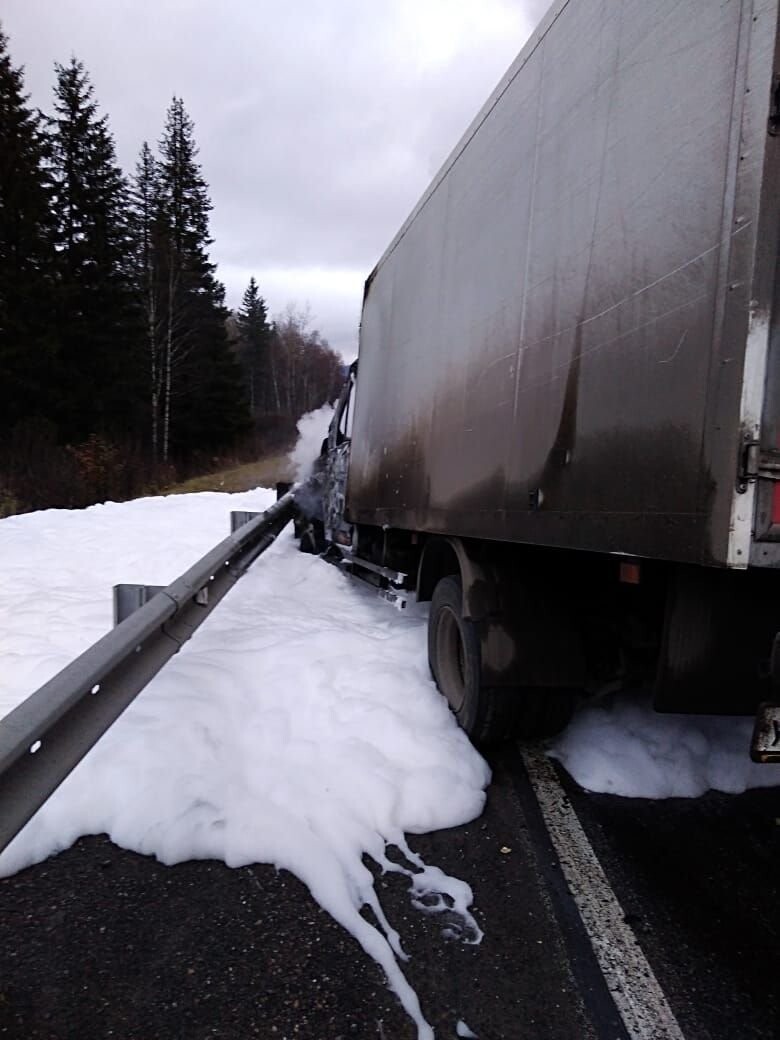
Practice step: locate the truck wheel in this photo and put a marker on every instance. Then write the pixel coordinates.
(487, 714)
(455, 660)
(312, 537)
(542, 712)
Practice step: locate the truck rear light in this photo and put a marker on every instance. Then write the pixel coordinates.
(630, 572)
(776, 503)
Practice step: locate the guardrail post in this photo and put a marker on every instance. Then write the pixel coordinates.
(128, 598)
(239, 518)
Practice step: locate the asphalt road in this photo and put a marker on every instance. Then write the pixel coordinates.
(99, 942)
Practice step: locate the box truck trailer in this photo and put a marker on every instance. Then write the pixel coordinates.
(563, 427)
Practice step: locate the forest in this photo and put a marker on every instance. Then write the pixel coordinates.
(121, 368)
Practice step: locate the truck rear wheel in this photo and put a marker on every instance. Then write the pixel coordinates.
(456, 664)
(542, 711)
(487, 714)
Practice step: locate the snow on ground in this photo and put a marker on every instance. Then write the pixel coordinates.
(623, 747)
(461, 1029)
(298, 727)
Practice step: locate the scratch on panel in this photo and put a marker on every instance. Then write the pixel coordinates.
(676, 351)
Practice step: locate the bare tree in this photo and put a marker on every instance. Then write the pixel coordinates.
(306, 371)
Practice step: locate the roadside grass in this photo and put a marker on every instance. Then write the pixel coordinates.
(262, 473)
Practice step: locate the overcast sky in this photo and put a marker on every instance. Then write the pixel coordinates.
(319, 122)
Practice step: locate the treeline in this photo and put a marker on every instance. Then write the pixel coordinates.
(120, 366)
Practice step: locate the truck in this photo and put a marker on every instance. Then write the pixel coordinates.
(562, 428)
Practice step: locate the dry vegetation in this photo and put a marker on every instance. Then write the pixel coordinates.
(262, 473)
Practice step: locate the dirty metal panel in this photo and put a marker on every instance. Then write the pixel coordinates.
(538, 346)
(766, 296)
(750, 279)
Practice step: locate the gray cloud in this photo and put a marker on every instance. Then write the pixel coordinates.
(320, 123)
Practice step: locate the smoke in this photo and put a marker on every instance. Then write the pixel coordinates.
(312, 430)
(306, 458)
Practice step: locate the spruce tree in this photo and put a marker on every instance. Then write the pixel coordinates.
(101, 376)
(202, 401)
(255, 347)
(27, 342)
(148, 229)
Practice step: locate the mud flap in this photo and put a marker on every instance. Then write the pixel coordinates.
(719, 628)
(765, 745)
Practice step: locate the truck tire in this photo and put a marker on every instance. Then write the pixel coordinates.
(312, 537)
(455, 660)
(542, 711)
(488, 715)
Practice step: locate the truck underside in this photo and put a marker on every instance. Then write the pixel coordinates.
(518, 635)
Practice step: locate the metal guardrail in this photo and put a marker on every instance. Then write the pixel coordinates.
(44, 738)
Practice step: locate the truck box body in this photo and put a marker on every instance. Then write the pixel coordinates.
(573, 340)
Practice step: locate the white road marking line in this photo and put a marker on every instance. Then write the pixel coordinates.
(630, 979)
